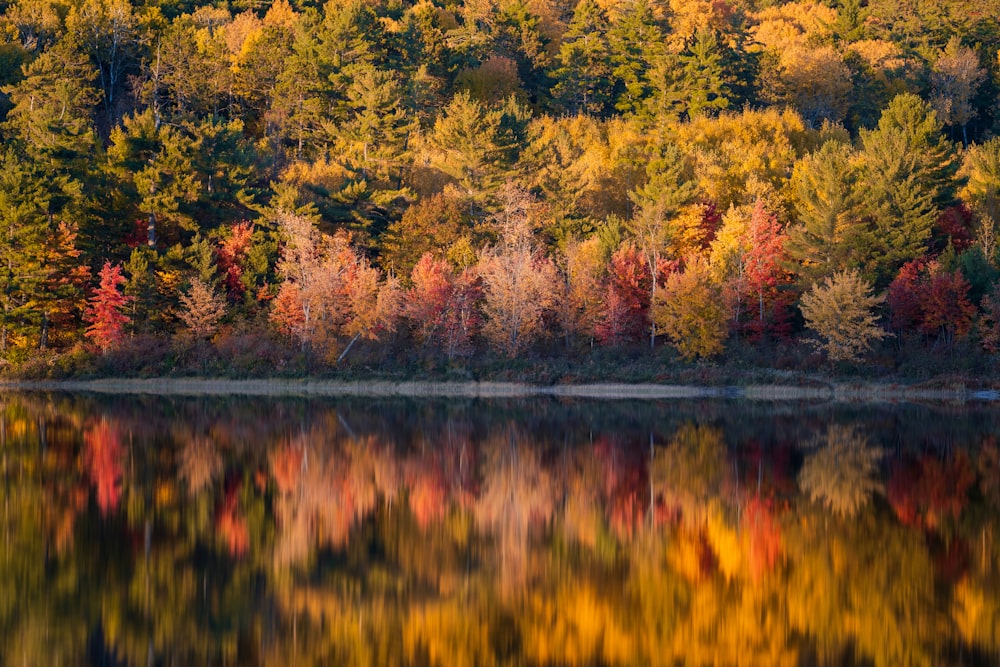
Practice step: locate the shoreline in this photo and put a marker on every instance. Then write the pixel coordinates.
(867, 392)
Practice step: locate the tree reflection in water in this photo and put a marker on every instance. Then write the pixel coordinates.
(245, 531)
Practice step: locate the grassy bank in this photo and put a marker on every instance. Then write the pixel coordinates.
(260, 366)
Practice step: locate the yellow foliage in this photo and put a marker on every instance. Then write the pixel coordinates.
(281, 14)
(725, 544)
(793, 24)
(241, 34)
(685, 555)
(689, 311)
(447, 633)
(729, 150)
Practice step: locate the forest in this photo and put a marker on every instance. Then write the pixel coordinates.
(287, 187)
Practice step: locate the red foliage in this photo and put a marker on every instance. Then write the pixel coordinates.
(925, 297)
(102, 455)
(711, 220)
(924, 492)
(105, 309)
(286, 466)
(229, 525)
(904, 295)
(230, 255)
(441, 306)
(765, 251)
(946, 306)
(628, 286)
(287, 313)
(955, 224)
(764, 535)
(763, 270)
(427, 494)
(138, 235)
(625, 486)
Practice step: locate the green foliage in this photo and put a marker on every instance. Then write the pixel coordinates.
(824, 192)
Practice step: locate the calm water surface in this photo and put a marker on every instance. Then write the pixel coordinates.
(156, 531)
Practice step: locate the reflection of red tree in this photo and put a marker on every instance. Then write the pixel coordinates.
(764, 535)
(230, 526)
(625, 485)
(286, 463)
(103, 454)
(924, 492)
(428, 498)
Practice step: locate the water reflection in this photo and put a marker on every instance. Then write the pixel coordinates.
(152, 531)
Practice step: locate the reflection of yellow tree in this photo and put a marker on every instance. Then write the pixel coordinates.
(690, 470)
(841, 475)
(868, 583)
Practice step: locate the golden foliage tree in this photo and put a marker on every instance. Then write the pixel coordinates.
(689, 311)
(841, 312)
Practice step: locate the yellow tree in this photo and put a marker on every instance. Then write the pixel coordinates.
(689, 311)
(841, 312)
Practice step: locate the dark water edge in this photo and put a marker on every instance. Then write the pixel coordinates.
(146, 529)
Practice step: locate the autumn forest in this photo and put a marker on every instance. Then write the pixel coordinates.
(263, 188)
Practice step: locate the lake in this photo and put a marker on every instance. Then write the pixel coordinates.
(149, 530)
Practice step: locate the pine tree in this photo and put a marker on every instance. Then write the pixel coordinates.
(634, 42)
(583, 77)
(825, 198)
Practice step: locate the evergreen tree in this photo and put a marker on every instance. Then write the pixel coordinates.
(635, 40)
(583, 76)
(825, 198)
(907, 173)
(24, 228)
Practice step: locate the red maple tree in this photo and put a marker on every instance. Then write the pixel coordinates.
(627, 298)
(106, 309)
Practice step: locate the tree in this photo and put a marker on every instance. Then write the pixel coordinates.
(669, 187)
(955, 78)
(579, 304)
(907, 171)
(840, 312)
(432, 224)
(328, 289)
(583, 78)
(926, 297)
(690, 312)
(201, 309)
(442, 306)
(108, 31)
(634, 39)
(519, 282)
(106, 309)
(626, 301)
(474, 142)
(981, 169)
(841, 474)
(765, 257)
(52, 106)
